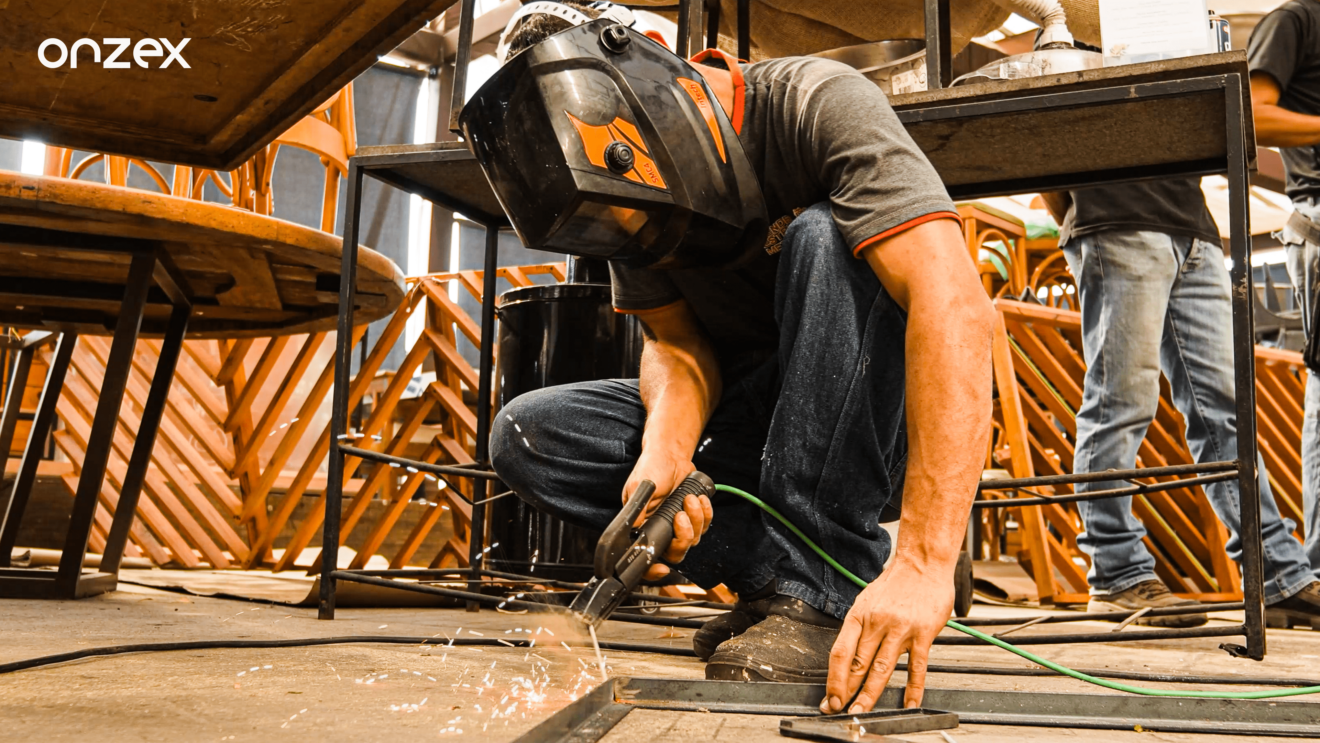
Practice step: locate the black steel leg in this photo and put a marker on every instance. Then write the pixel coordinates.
(117, 369)
(939, 52)
(477, 536)
(334, 484)
(41, 425)
(13, 404)
(140, 460)
(1244, 363)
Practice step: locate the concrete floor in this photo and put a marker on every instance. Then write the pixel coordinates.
(374, 692)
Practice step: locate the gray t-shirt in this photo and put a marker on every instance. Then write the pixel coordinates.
(1175, 206)
(1286, 46)
(814, 130)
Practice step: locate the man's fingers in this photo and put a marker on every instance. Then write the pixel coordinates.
(697, 516)
(916, 681)
(707, 509)
(845, 648)
(683, 538)
(657, 571)
(881, 668)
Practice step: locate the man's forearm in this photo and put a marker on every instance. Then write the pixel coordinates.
(1278, 127)
(680, 387)
(948, 414)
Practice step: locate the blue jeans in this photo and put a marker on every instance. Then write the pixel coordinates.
(817, 432)
(1151, 302)
(1299, 254)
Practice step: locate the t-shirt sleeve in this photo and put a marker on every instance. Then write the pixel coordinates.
(1275, 46)
(879, 181)
(638, 290)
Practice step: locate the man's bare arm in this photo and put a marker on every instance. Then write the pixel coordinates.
(929, 272)
(1277, 126)
(680, 386)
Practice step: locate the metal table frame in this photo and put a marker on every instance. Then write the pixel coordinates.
(149, 268)
(1234, 165)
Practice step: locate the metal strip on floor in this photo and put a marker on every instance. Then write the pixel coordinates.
(591, 718)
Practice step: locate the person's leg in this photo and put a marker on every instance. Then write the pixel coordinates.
(835, 453)
(1123, 279)
(836, 449)
(1300, 256)
(568, 451)
(1197, 357)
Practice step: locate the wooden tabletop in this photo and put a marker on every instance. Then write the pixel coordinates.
(254, 69)
(65, 248)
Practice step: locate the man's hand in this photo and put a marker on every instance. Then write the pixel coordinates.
(902, 610)
(667, 470)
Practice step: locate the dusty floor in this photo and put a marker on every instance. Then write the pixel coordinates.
(371, 692)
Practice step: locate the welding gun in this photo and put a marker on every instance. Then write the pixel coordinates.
(624, 554)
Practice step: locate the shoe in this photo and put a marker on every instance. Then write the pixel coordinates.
(1300, 609)
(792, 644)
(1152, 593)
(750, 609)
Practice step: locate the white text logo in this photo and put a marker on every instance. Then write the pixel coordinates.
(54, 53)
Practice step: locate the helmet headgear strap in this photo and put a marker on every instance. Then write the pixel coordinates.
(617, 13)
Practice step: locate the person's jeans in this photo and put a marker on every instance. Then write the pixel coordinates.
(1151, 302)
(1300, 253)
(817, 432)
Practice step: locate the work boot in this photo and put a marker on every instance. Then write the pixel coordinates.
(792, 644)
(1300, 609)
(1152, 593)
(749, 610)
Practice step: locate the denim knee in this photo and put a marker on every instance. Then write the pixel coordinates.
(511, 458)
(813, 236)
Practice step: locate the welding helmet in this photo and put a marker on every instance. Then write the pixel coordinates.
(600, 142)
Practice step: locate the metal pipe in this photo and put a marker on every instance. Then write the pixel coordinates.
(1235, 630)
(1176, 469)
(435, 469)
(1138, 489)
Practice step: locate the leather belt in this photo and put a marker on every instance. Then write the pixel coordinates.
(1310, 231)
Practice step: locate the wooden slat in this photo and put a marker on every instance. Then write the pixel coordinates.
(233, 360)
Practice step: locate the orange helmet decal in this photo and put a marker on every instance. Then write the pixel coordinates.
(596, 138)
(700, 98)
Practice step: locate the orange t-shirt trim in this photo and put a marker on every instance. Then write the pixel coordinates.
(905, 226)
(647, 311)
(739, 86)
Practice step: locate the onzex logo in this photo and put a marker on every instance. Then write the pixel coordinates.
(596, 138)
(144, 49)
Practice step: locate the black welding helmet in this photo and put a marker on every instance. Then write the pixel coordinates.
(599, 142)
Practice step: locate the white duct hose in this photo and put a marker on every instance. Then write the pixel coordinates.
(1049, 14)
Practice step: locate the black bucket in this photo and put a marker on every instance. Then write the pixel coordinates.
(552, 335)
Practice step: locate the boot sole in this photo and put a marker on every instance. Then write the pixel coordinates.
(1288, 619)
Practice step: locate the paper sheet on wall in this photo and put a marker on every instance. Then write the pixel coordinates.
(1142, 30)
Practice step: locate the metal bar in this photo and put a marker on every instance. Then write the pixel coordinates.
(939, 54)
(1244, 368)
(140, 459)
(1234, 630)
(41, 425)
(118, 367)
(334, 484)
(1103, 615)
(1176, 469)
(689, 27)
(458, 97)
(744, 29)
(13, 404)
(485, 368)
(1138, 489)
(713, 25)
(588, 719)
(437, 469)
(1068, 99)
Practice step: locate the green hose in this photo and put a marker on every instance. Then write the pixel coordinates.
(1019, 651)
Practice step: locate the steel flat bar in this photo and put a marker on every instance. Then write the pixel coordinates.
(1180, 633)
(463, 56)
(486, 375)
(1176, 469)
(1101, 616)
(1244, 367)
(334, 484)
(1138, 489)
(939, 45)
(1067, 181)
(1070, 99)
(140, 458)
(437, 469)
(118, 366)
(21, 489)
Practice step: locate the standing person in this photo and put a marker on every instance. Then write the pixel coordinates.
(837, 368)
(1155, 296)
(1284, 58)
